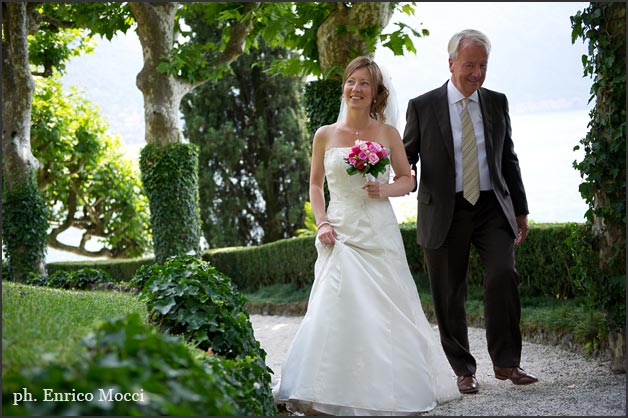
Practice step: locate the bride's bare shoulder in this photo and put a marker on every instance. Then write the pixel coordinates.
(389, 135)
(327, 129)
(325, 133)
(323, 136)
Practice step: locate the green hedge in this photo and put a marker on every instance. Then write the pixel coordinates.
(285, 261)
(121, 269)
(544, 261)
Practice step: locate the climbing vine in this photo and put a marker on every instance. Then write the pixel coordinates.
(603, 168)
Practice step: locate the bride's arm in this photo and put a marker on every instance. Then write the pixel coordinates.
(317, 177)
(325, 231)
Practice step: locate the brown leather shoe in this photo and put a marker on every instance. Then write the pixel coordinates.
(467, 384)
(517, 375)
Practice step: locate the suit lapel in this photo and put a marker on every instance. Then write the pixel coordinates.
(486, 107)
(442, 116)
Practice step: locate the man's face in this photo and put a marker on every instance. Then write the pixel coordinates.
(469, 69)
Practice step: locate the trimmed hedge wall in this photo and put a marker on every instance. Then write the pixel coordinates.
(544, 261)
(120, 269)
(289, 260)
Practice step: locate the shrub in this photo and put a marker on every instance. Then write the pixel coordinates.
(189, 297)
(83, 279)
(125, 356)
(249, 385)
(122, 269)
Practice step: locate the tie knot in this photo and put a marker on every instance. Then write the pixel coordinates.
(465, 102)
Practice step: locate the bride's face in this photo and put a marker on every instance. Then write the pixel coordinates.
(358, 89)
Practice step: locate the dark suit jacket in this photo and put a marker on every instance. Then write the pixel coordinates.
(428, 136)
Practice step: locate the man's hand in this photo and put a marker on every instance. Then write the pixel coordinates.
(522, 224)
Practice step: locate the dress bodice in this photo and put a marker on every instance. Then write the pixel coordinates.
(342, 185)
(357, 219)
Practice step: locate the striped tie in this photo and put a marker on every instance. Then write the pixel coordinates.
(470, 170)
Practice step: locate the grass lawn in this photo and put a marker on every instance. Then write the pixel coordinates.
(42, 325)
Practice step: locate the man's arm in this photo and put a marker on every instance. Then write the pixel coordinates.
(412, 139)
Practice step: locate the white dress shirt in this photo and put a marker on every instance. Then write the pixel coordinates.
(455, 109)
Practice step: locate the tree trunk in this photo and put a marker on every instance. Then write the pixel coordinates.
(162, 98)
(338, 48)
(609, 235)
(17, 97)
(162, 92)
(19, 166)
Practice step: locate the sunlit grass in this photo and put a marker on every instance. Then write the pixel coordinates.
(42, 325)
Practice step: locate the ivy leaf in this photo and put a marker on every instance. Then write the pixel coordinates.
(164, 306)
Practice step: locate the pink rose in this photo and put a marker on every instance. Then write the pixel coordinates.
(373, 158)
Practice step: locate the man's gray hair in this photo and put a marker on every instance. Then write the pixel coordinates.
(472, 35)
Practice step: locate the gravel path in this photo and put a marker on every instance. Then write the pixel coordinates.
(569, 384)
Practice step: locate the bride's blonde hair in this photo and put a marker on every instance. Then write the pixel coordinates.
(380, 92)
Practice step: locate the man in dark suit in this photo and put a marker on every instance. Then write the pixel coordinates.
(483, 204)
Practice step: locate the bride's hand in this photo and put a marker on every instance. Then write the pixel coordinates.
(327, 235)
(373, 189)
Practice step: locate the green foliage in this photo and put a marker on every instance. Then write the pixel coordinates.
(83, 279)
(250, 129)
(399, 41)
(603, 26)
(541, 272)
(194, 57)
(290, 25)
(121, 270)
(285, 261)
(279, 294)
(297, 23)
(47, 49)
(170, 178)
(309, 222)
(5, 269)
(539, 268)
(322, 102)
(249, 384)
(125, 356)
(189, 297)
(97, 18)
(24, 230)
(66, 30)
(85, 179)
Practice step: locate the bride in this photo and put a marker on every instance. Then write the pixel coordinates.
(364, 346)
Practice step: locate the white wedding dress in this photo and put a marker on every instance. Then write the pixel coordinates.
(364, 346)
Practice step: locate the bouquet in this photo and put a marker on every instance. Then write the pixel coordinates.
(367, 158)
